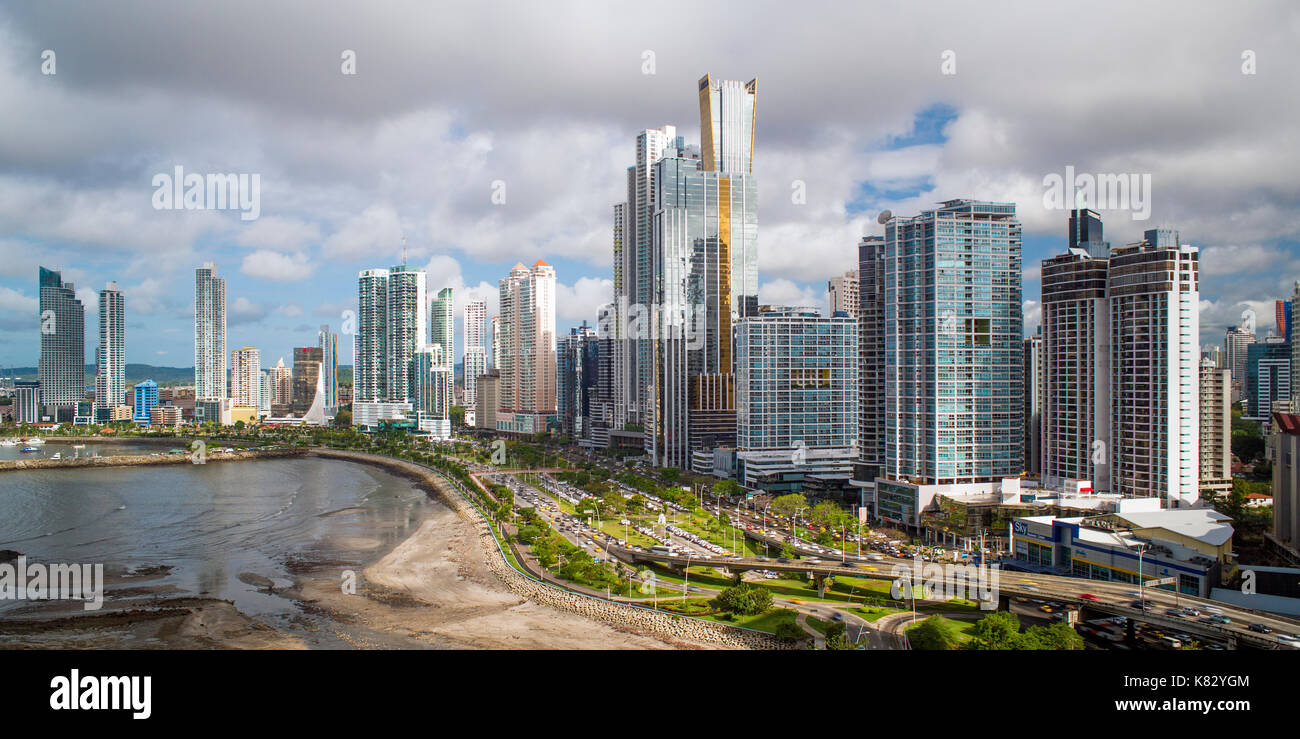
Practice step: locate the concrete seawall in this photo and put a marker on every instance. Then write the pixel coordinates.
(142, 460)
(642, 619)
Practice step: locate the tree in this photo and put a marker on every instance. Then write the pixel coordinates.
(1059, 636)
(788, 505)
(670, 475)
(726, 488)
(745, 599)
(934, 633)
(998, 630)
(457, 415)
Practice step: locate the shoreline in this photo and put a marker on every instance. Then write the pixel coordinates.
(434, 589)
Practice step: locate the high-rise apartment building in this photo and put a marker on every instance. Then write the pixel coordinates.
(1235, 343)
(842, 294)
(1293, 338)
(62, 367)
(407, 325)
(110, 357)
(796, 398)
(954, 344)
(370, 355)
(246, 377)
(1153, 289)
(431, 401)
(209, 334)
(871, 359)
(475, 350)
(1216, 428)
(527, 355)
(577, 367)
(329, 346)
(442, 326)
(280, 379)
(27, 401)
(1034, 402)
(1268, 377)
(1076, 366)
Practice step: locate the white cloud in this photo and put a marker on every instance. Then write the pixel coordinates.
(277, 267)
(785, 292)
(278, 233)
(579, 301)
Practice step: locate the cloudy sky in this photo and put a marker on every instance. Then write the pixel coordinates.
(870, 106)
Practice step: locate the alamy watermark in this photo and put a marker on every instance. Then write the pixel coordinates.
(1102, 191)
(936, 581)
(23, 580)
(193, 191)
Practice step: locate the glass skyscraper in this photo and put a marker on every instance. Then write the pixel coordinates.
(442, 326)
(62, 368)
(953, 344)
(796, 397)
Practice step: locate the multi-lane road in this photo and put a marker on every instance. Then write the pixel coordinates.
(1162, 607)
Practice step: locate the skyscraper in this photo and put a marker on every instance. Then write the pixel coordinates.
(1033, 401)
(577, 366)
(796, 398)
(110, 357)
(953, 344)
(1216, 428)
(1268, 377)
(62, 368)
(1076, 368)
(329, 346)
(475, 351)
(727, 120)
(431, 399)
(527, 354)
(442, 326)
(871, 359)
(1235, 342)
(209, 334)
(246, 377)
(1153, 291)
(307, 362)
(408, 328)
(370, 370)
(280, 378)
(704, 263)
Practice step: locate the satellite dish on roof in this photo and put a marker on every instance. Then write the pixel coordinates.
(884, 217)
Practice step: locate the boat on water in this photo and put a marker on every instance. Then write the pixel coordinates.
(57, 455)
(8, 442)
(29, 450)
(36, 440)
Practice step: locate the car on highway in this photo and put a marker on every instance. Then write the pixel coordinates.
(1219, 618)
(1088, 596)
(1260, 628)
(1045, 609)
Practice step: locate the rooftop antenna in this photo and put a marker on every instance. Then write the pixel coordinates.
(403, 249)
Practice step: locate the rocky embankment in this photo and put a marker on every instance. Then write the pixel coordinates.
(633, 617)
(144, 459)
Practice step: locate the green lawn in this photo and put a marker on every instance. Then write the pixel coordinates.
(768, 621)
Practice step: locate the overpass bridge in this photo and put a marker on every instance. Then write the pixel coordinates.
(1112, 598)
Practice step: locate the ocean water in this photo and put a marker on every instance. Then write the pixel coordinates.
(210, 523)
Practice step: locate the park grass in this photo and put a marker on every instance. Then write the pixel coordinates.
(768, 621)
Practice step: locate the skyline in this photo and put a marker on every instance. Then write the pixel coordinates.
(409, 151)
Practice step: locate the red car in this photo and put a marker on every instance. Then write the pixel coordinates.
(1088, 596)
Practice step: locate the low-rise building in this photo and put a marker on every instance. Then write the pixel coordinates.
(1190, 549)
